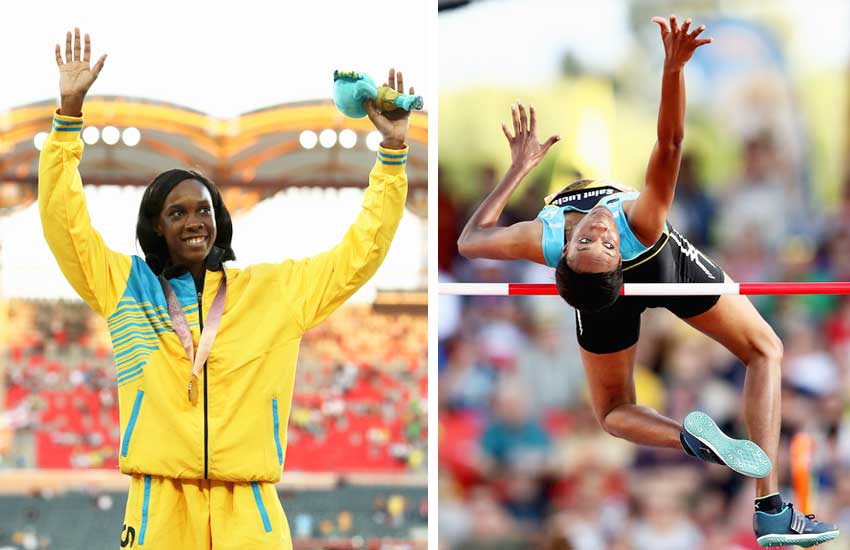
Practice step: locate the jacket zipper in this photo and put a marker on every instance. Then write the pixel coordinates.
(206, 428)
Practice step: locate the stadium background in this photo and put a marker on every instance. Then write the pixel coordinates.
(254, 118)
(764, 188)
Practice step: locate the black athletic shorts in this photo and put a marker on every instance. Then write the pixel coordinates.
(677, 261)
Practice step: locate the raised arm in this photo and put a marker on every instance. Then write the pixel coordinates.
(75, 74)
(648, 214)
(481, 237)
(98, 274)
(317, 286)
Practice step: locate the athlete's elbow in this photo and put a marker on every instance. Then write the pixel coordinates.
(464, 249)
(467, 248)
(671, 144)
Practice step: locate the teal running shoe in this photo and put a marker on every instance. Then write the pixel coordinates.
(790, 527)
(703, 439)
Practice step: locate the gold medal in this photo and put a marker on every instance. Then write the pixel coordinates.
(193, 391)
(181, 327)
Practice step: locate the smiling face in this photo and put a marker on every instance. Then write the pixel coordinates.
(187, 223)
(594, 246)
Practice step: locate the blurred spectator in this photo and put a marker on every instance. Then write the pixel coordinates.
(694, 210)
(664, 524)
(550, 368)
(763, 201)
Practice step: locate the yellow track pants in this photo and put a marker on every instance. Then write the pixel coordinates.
(172, 514)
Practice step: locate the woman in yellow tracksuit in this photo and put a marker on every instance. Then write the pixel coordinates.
(204, 444)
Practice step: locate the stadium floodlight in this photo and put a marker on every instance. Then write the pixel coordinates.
(38, 140)
(131, 136)
(308, 139)
(373, 140)
(91, 134)
(110, 135)
(348, 138)
(327, 138)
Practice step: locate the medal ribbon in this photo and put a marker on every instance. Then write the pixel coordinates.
(181, 327)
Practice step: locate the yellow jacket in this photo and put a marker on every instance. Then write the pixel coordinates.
(237, 429)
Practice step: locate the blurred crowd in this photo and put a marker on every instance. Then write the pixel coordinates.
(523, 462)
(340, 516)
(359, 404)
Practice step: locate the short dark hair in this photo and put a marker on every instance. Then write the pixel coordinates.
(154, 246)
(588, 291)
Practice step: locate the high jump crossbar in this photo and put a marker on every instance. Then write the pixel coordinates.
(650, 289)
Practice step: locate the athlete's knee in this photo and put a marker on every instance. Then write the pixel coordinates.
(767, 348)
(607, 426)
(601, 415)
(610, 422)
(611, 428)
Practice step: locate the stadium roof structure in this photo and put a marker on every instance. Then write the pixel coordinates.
(277, 189)
(258, 152)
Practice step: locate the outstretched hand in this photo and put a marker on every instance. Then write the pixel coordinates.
(679, 44)
(526, 151)
(75, 74)
(392, 124)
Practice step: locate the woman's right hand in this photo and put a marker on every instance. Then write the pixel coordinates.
(75, 75)
(526, 151)
(679, 44)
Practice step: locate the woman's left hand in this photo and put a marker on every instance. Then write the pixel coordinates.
(679, 44)
(392, 124)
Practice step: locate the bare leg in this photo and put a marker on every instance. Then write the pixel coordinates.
(736, 324)
(612, 393)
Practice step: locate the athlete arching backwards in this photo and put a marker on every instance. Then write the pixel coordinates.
(598, 234)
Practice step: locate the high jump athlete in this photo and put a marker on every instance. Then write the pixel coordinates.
(598, 234)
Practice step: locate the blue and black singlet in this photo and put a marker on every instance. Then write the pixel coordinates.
(671, 259)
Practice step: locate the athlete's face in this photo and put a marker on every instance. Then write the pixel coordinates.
(187, 222)
(594, 246)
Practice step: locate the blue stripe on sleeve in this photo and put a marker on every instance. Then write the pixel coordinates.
(129, 379)
(128, 351)
(130, 373)
(67, 122)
